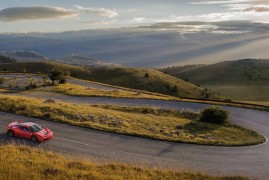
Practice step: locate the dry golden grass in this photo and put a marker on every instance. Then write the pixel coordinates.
(257, 103)
(134, 93)
(145, 124)
(242, 91)
(77, 90)
(20, 162)
(239, 104)
(3, 90)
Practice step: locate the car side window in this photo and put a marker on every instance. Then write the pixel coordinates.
(24, 129)
(27, 129)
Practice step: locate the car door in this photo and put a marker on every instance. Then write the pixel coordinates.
(16, 130)
(24, 132)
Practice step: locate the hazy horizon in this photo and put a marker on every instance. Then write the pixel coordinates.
(138, 33)
(56, 16)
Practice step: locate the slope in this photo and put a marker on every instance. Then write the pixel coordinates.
(247, 70)
(74, 59)
(244, 80)
(24, 56)
(136, 78)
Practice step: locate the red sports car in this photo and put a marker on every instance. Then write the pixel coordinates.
(29, 130)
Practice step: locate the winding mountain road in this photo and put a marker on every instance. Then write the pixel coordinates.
(252, 161)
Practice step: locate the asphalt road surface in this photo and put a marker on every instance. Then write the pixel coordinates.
(250, 160)
(87, 84)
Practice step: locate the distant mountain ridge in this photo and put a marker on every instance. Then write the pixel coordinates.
(74, 59)
(24, 56)
(86, 61)
(158, 45)
(228, 71)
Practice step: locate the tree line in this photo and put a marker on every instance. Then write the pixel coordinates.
(4, 59)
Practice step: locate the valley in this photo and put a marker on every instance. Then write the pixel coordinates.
(123, 110)
(135, 90)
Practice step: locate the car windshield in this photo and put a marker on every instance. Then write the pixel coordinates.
(35, 128)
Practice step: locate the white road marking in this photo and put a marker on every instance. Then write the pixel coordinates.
(112, 149)
(81, 143)
(75, 142)
(266, 140)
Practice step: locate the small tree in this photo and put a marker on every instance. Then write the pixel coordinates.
(147, 75)
(175, 90)
(167, 86)
(57, 75)
(214, 115)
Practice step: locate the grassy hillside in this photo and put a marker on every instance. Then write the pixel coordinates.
(21, 162)
(247, 70)
(136, 78)
(242, 80)
(248, 91)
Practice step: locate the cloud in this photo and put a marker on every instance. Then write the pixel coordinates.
(258, 9)
(100, 11)
(34, 13)
(139, 19)
(222, 2)
(46, 12)
(237, 7)
(255, 10)
(129, 10)
(231, 2)
(100, 22)
(221, 27)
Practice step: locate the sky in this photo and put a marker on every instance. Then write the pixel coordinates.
(23, 16)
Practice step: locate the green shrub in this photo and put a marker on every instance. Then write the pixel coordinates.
(227, 100)
(58, 75)
(1, 79)
(31, 85)
(146, 75)
(214, 115)
(146, 110)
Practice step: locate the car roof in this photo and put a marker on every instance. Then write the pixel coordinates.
(25, 124)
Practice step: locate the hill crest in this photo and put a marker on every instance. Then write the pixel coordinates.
(136, 78)
(228, 71)
(75, 59)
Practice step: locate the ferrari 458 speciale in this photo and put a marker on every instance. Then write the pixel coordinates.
(29, 130)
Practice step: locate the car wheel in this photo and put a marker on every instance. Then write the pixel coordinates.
(10, 133)
(34, 139)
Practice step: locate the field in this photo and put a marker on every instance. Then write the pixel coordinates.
(243, 80)
(247, 70)
(256, 92)
(145, 122)
(20, 162)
